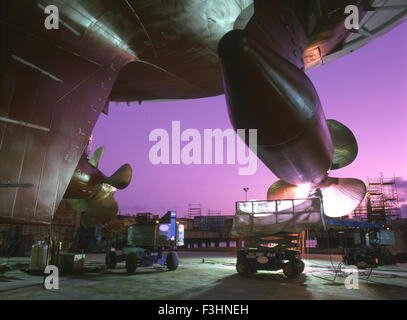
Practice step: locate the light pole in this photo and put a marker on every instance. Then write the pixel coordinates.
(245, 190)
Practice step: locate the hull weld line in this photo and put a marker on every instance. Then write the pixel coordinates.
(25, 62)
(24, 124)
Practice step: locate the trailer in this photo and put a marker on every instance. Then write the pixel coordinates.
(251, 260)
(146, 244)
(269, 229)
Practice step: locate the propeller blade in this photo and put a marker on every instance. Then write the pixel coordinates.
(342, 195)
(121, 178)
(96, 156)
(281, 190)
(345, 145)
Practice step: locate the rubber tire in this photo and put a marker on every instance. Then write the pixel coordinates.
(301, 265)
(291, 269)
(110, 260)
(361, 263)
(401, 258)
(243, 267)
(131, 263)
(172, 261)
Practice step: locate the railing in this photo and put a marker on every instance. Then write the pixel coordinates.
(272, 216)
(271, 206)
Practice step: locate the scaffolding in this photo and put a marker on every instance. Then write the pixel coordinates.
(381, 203)
(214, 212)
(194, 210)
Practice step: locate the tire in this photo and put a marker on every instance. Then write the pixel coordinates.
(401, 258)
(361, 263)
(111, 259)
(300, 265)
(291, 269)
(243, 267)
(131, 263)
(172, 261)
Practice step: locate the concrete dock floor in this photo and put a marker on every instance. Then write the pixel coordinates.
(215, 278)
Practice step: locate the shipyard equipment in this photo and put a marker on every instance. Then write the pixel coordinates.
(371, 245)
(272, 259)
(145, 244)
(269, 230)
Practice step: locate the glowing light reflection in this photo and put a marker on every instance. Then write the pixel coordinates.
(302, 190)
(267, 208)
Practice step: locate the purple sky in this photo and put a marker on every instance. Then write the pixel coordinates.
(365, 90)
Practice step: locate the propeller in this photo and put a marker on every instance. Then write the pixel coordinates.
(340, 195)
(97, 205)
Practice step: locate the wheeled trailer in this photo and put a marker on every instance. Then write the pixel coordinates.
(146, 244)
(251, 260)
(141, 257)
(269, 229)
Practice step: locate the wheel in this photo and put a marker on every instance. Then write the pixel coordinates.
(401, 258)
(291, 269)
(243, 267)
(131, 263)
(300, 265)
(361, 263)
(345, 260)
(172, 261)
(111, 259)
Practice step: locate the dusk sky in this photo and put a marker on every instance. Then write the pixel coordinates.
(365, 90)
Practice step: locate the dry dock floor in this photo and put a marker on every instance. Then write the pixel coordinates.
(215, 278)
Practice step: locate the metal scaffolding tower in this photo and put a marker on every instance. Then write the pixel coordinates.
(214, 212)
(381, 203)
(194, 210)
